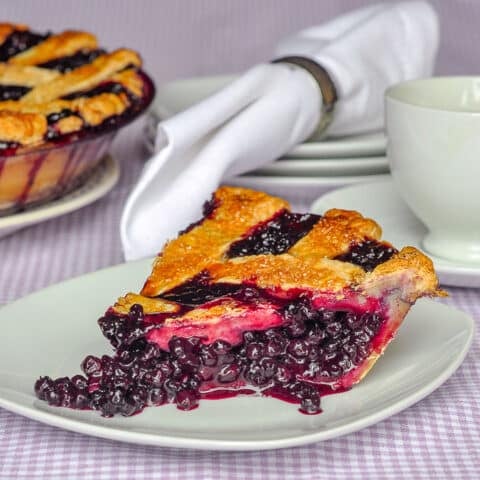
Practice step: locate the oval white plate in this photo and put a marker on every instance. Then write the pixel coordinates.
(380, 201)
(326, 167)
(51, 331)
(102, 180)
(175, 96)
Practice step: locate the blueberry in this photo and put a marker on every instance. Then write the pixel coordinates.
(208, 356)
(228, 373)
(334, 329)
(296, 329)
(310, 404)
(80, 382)
(275, 346)
(254, 351)
(43, 386)
(186, 400)
(156, 396)
(136, 312)
(91, 365)
(221, 347)
(298, 348)
(283, 374)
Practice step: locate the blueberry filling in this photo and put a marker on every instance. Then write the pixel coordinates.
(67, 64)
(368, 254)
(295, 362)
(275, 236)
(12, 92)
(19, 41)
(199, 290)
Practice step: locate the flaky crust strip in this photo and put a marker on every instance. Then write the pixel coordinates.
(56, 46)
(334, 233)
(22, 127)
(150, 305)
(93, 110)
(287, 272)
(27, 76)
(84, 77)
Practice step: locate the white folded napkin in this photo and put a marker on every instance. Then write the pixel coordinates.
(272, 107)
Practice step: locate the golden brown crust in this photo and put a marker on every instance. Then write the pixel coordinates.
(150, 305)
(131, 80)
(56, 46)
(334, 233)
(40, 108)
(238, 210)
(84, 77)
(27, 76)
(409, 261)
(94, 110)
(287, 272)
(24, 128)
(69, 124)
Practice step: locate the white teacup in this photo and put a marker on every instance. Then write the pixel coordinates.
(433, 128)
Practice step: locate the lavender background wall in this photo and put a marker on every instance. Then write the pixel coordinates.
(180, 38)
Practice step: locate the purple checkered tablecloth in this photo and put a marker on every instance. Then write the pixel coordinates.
(438, 438)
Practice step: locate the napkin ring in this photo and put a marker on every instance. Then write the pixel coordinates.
(325, 83)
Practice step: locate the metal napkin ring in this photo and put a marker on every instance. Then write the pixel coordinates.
(325, 83)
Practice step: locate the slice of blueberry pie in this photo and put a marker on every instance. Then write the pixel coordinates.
(252, 299)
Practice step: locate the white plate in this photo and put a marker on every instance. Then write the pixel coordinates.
(102, 180)
(326, 167)
(380, 201)
(362, 145)
(47, 333)
(178, 95)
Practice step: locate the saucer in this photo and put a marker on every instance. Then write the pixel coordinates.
(102, 180)
(380, 201)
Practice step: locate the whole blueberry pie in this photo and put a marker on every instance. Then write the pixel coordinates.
(57, 85)
(62, 101)
(252, 299)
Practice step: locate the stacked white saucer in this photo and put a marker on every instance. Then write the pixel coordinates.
(316, 166)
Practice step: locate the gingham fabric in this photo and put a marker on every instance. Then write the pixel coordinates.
(438, 438)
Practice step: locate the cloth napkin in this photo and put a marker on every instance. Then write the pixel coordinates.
(272, 107)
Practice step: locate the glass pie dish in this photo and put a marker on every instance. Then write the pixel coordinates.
(62, 101)
(43, 174)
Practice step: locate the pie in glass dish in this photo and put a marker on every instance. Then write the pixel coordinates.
(252, 299)
(62, 99)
